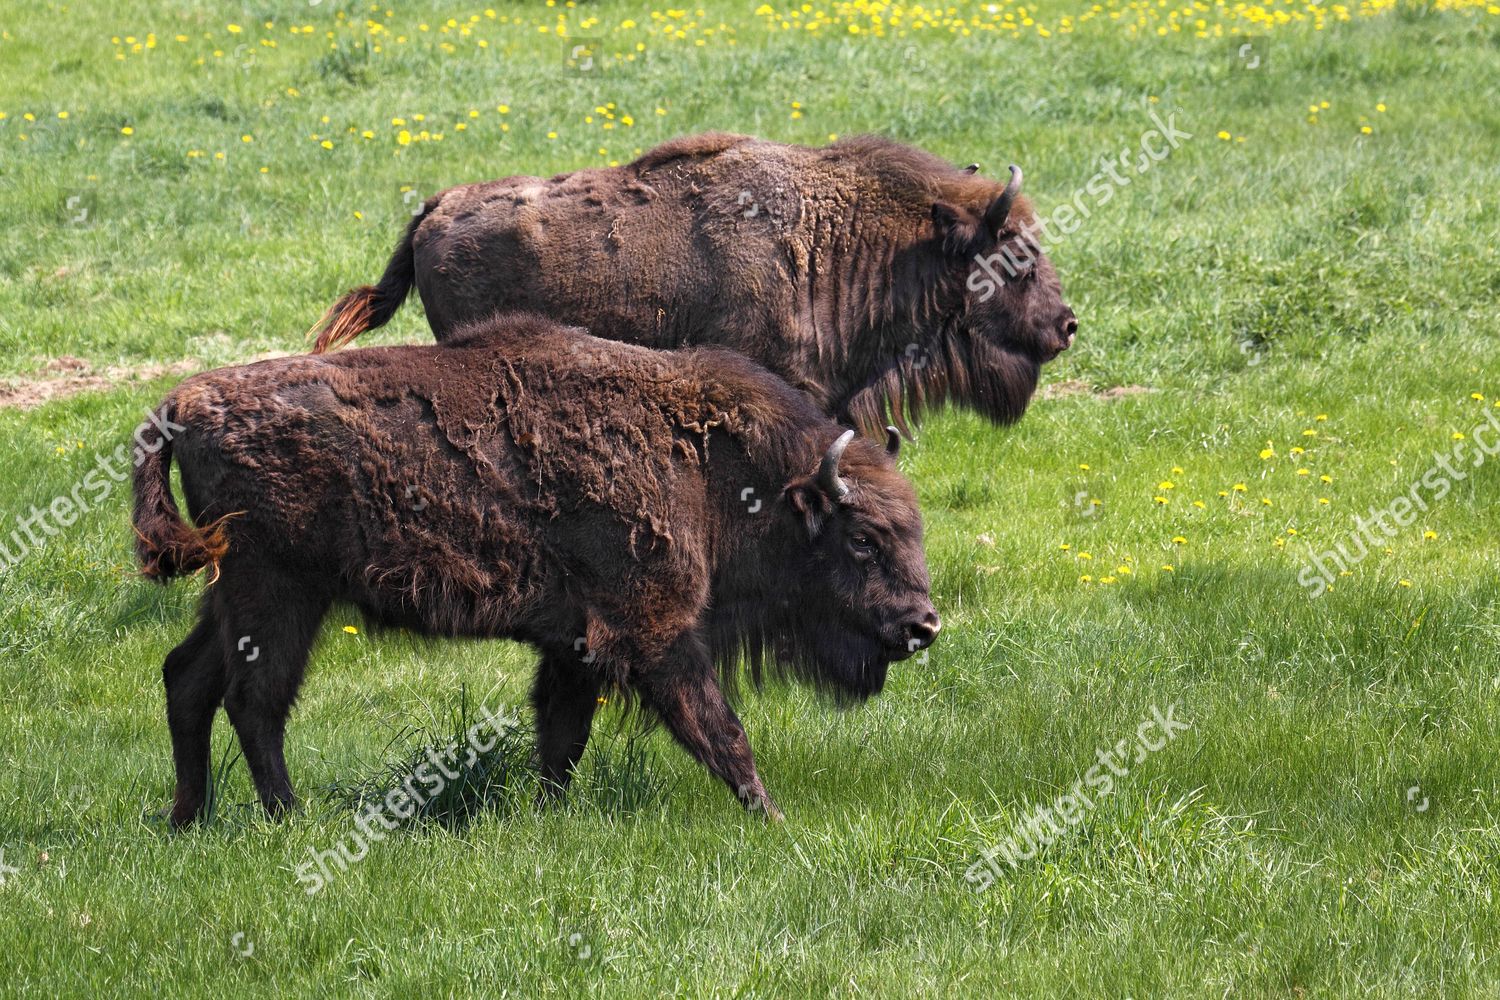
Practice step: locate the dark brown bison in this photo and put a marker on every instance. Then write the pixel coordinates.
(634, 514)
(863, 272)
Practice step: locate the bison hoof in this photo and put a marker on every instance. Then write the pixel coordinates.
(767, 809)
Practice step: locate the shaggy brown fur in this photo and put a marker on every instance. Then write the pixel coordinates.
(635, 514)
(848, 270)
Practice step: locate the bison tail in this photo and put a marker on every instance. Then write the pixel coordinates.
(166, 545)
(368, 306)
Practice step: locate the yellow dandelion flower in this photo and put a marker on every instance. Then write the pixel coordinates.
(1085, 555)
(1084, 466)
(1160, 499)
(1429, 534)
(1304, 472)
(127, 130)
(1267, 453)
(1178, 540)
(1225, 136)
(1404, 583)
(1477, 395)
(326, 144)
(1167, 568)
(1085, 578)
(1240, 487)
(1265, 501)
(351, 630)
(1166, 484)
(1324, 501)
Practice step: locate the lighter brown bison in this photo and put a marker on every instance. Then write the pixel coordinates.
(852, 270)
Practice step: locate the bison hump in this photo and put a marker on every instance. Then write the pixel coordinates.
(688, 147)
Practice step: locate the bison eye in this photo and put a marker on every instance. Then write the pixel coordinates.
(861, 543)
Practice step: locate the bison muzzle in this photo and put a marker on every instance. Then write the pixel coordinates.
(636, 515)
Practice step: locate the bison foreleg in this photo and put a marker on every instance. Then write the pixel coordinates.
(686, 695)
(565, 696)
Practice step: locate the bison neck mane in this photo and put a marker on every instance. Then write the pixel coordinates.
(956, 365)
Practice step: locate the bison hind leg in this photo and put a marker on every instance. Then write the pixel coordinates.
(270, 623)
(194, 677)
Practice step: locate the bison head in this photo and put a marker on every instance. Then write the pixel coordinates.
(981, 304)
(1013, 299)
(860, 597)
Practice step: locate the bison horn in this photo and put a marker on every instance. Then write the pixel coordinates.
(892, 440)
(828, 472)
(999, 210)
(972, 168)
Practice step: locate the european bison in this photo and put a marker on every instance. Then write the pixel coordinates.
(634, 514)
(863, 272)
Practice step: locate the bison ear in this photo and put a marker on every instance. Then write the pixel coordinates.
(810, 503)
(959, 231)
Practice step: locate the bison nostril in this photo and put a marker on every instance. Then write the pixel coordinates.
(1071, 326)
(923, 632)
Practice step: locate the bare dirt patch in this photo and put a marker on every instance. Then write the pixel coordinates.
(1078, 387)
(68, 376)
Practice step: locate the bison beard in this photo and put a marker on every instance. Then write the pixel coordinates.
(528, 481)
(844, 269)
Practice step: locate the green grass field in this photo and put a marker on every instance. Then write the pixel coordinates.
(1306, 288)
